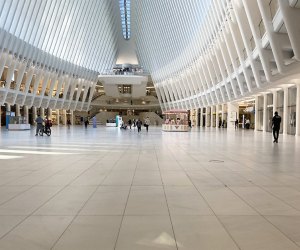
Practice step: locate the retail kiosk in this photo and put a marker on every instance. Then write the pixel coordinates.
(176, 121)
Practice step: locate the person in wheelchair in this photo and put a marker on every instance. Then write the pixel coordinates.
(123, 126)
(47, 128)
(48, 123)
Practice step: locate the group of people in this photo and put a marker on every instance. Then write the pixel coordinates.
(40, 124)
(137, 123)
(247, 123)
(222, 123)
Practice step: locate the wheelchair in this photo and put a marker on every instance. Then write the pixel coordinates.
(45, 130)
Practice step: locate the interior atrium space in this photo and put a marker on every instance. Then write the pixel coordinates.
(144, 125)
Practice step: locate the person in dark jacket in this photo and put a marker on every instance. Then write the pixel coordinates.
(276, 120)
(139, 125)
(39, 125)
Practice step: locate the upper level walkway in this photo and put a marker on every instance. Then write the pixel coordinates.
(107, 188)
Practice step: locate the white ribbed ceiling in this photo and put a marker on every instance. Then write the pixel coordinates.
(167, 33)
(83, 32)
(87, 32)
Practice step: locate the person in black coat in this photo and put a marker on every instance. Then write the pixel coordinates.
(276, 120)
(139, 125)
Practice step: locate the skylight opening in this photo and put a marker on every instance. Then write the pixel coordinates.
(125, 17)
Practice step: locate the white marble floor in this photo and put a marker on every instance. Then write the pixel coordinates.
(109, 189)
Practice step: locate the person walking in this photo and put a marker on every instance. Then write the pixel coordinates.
(147, 123)
(236, 124)
(139, 125)
(134, 123)
(39, 124)
(69, 123)
(276, 120)
(86, 123)
(247, 123)
(129, 123)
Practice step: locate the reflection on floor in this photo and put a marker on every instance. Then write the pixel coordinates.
(109, 189)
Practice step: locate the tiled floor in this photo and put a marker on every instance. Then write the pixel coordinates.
(109, 189)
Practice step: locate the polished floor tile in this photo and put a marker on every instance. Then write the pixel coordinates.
(146, 200)
(254, 232)
(107, 200)
(186, 200)
(90, 233)
(201, 232)
(146, 233)
(36, 233)
(109, 189)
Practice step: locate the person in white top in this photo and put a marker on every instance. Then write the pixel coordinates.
(147, 123)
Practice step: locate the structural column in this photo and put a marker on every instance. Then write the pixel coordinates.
(275, 101)
(232, 114)
(26, 116)
(285, 110)
(265, 122)
(33, 114)
(64, 120)
(206, 119)
(256, 113)
(49, 113)
(72, 117)
(42, 113)
(57, 116)
(222, 114)
(298, 111)
(18, 110)
(212, 116)
(201, 117)
(217, 115)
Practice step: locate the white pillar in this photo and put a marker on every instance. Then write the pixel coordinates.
(64, 117)
(26, 116)
(285, 110)
(217, 115)
(206, 119)
(57, 116)
(33, 114)
(274, 102)
(298, 111)
(265, 120)
(201, 117)
(72, 117)
(232, 114)
(42, 113)
(212, 108)
(18, 110)
(49, 113)
(8, 107)
(256, 113)
(222, 114)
